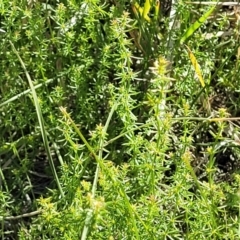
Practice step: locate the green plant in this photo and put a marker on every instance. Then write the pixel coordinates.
(111, 127)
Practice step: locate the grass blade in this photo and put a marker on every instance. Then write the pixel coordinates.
(190, 31)
(24, 93)
(40, 120)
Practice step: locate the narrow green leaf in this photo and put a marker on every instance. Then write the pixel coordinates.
(196, 25)
(40, 119)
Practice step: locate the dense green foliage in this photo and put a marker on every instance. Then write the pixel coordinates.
(130, 132)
